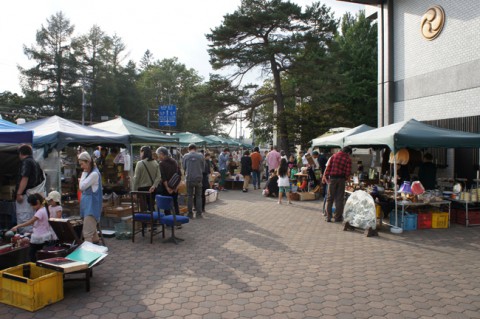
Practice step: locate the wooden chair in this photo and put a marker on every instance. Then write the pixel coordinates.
(143, 211)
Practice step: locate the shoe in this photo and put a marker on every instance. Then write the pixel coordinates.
(289, 203)
(244, 190)
(338, 220)
(199, 215)
(254, 188)
(328, 220)
(279, 203)
(190, 215)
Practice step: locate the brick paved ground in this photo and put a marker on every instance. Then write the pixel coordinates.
(252, 258)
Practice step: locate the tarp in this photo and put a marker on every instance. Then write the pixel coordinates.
(14, 134)
(337, 140)
(187, 138)
(56, 133)
(413, 134)
(137, 133)
(224, 141)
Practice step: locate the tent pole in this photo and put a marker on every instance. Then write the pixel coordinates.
(395, 186)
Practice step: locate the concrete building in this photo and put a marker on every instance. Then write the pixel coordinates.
(429, 68)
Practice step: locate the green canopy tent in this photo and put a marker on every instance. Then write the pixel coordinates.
(412, 134)
(338, 139)
(187, 138)
(225, 141)
(136, 133)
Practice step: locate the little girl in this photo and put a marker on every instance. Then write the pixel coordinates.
(54, 200)
(41, 234)
(283, 181)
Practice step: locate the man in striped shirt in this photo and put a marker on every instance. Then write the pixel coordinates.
(338, 170)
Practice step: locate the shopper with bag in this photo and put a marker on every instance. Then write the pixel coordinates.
(30, 180)
(147, 174)
(170, 177)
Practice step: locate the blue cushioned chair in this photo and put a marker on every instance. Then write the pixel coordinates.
(166, 203)
(142, 212)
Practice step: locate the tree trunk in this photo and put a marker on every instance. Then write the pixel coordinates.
(281, 123)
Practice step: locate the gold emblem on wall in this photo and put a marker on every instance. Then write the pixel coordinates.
(432, 22)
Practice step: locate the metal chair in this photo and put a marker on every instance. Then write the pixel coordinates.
(143, 212)
(166, 203)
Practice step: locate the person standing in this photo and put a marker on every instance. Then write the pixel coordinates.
(246, 169)
(265, 165)
(194, 165)
(30, 180)
(92, 197)
(147, 173)
(222, 166)
(337, 172)
(427, 172)
(256, 165)
(273, 158)
(283, 181)
(168, 167)
(207, 171)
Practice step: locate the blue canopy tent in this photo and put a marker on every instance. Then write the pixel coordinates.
(14, 134)
(52, 134)
(56, 133)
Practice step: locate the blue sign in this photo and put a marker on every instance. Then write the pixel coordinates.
(167, 115)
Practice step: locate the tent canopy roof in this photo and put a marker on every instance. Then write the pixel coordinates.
(137, 133)
(337, 140)
(187, 138)
(56, 132)
(14, 134)
(413, 134)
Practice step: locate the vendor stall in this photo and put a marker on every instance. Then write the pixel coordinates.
(11, 136)
(412, 134)
(51, 135)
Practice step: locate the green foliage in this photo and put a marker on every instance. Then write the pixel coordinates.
(55, 76)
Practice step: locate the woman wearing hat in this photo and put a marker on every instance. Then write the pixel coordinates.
(92, 197)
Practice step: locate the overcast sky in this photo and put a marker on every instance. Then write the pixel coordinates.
(167, 28)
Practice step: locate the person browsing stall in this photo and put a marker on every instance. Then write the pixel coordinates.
(41, 233)
(337, 172)
(92, 197)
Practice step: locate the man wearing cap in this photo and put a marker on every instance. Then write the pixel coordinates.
(194, 164)
(30, 180)
(92, 197)
(337, 172)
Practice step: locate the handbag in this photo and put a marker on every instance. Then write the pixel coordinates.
(159, 188)
(174, 181)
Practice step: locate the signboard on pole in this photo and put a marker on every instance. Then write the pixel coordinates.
(167, 115)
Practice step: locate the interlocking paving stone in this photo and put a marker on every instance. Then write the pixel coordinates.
(253, 258)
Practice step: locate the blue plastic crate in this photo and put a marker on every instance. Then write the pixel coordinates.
(410, 221)
(399, 219)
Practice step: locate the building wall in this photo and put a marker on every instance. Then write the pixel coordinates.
(436, 79)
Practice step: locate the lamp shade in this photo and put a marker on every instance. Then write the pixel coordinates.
(417, 188)
(405, 188)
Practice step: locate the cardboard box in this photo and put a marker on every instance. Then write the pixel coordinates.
(307, 196)
(117, 211)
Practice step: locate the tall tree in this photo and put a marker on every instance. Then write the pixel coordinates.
(268, 34)
(55, 76)
(170, 82)
(357, 63)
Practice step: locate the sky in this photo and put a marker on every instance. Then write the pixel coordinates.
(167, 28)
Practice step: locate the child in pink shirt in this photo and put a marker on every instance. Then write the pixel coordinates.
(41, 234)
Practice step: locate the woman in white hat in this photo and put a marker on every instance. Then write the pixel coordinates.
(92, 196)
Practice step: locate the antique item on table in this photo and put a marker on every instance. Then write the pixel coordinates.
(360, 210)
(417, 188)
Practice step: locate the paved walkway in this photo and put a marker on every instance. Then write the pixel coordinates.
(253, 258)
